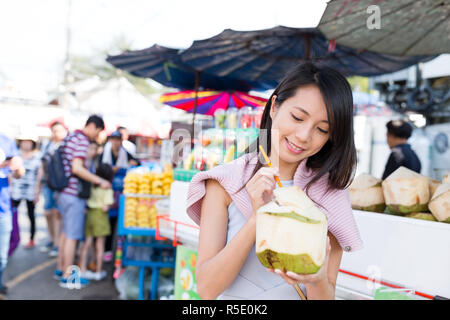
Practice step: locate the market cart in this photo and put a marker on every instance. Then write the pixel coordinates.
(162, 253)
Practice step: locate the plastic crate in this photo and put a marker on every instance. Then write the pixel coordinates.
(183, 175)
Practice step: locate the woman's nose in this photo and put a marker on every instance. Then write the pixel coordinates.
(303, 134)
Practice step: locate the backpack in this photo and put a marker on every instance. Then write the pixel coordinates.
(57, 179)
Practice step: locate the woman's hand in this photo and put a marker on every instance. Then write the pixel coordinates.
(260, 187)
(321, 275)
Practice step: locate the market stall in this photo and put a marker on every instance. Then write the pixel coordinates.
(400, 253)
(405, 254)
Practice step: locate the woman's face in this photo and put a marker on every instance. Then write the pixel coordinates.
(299, 125)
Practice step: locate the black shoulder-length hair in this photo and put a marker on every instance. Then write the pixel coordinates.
(338, 156)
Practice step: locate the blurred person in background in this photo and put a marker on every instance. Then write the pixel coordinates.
(26, 188)
(398, 133)
(52, 215)
(120, 159)
(116, 154)
(9, 164)
(70, 202)
(97, 225)
(127, 144)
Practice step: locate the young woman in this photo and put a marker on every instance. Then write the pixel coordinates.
(26, 188)
(307, 131)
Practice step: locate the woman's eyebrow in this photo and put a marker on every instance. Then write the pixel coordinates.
(306, 112)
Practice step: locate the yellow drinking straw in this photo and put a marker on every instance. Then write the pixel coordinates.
(269, 164)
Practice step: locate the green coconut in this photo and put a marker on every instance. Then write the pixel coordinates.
(421, 216)
(440, 203)
(366, 194)
(291, 232)
(406, 191)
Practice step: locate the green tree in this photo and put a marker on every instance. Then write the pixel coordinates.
(83, 67)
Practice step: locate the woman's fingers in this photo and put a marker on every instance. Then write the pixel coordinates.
(285, 277)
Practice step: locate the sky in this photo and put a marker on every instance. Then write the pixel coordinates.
(34, 33)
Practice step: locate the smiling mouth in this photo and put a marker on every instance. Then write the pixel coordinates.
(294, 147)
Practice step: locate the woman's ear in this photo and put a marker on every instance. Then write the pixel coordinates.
(272, 106)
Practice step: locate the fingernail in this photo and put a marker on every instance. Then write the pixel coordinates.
(290, 273)
(277, 270)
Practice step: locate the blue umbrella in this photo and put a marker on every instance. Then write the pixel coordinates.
(265, 56)
(164, 65)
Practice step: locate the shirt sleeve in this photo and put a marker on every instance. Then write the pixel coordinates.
(341, 221)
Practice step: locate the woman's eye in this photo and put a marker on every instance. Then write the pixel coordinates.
(295, 118)
(323, 131)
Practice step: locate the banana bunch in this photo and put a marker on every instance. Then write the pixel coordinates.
(153, 215)
(131, 205)
(140, 213)
(161, 183)
(143, 215)
(131, 183)
(144, 183)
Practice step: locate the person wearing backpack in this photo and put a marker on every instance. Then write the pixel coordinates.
(71, 202)
(52, 215)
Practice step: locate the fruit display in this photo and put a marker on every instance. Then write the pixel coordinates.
(220, 118)
(291, 232)
(140, 213)
(232, 115)
(257, 116)
(149, 183)
(188, 161)
(245, 117)
(218, 146)
(440, 203)
(229, 155)
(130, 218)
(366, 194)
(406, 191)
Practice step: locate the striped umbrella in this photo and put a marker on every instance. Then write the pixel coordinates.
(209, 101)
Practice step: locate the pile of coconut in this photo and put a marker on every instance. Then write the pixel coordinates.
(405, 193)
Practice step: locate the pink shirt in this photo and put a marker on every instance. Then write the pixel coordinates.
(234, 175)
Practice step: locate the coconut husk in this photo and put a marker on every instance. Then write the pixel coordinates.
(366, 194)
(406, 191)
(440, 203)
